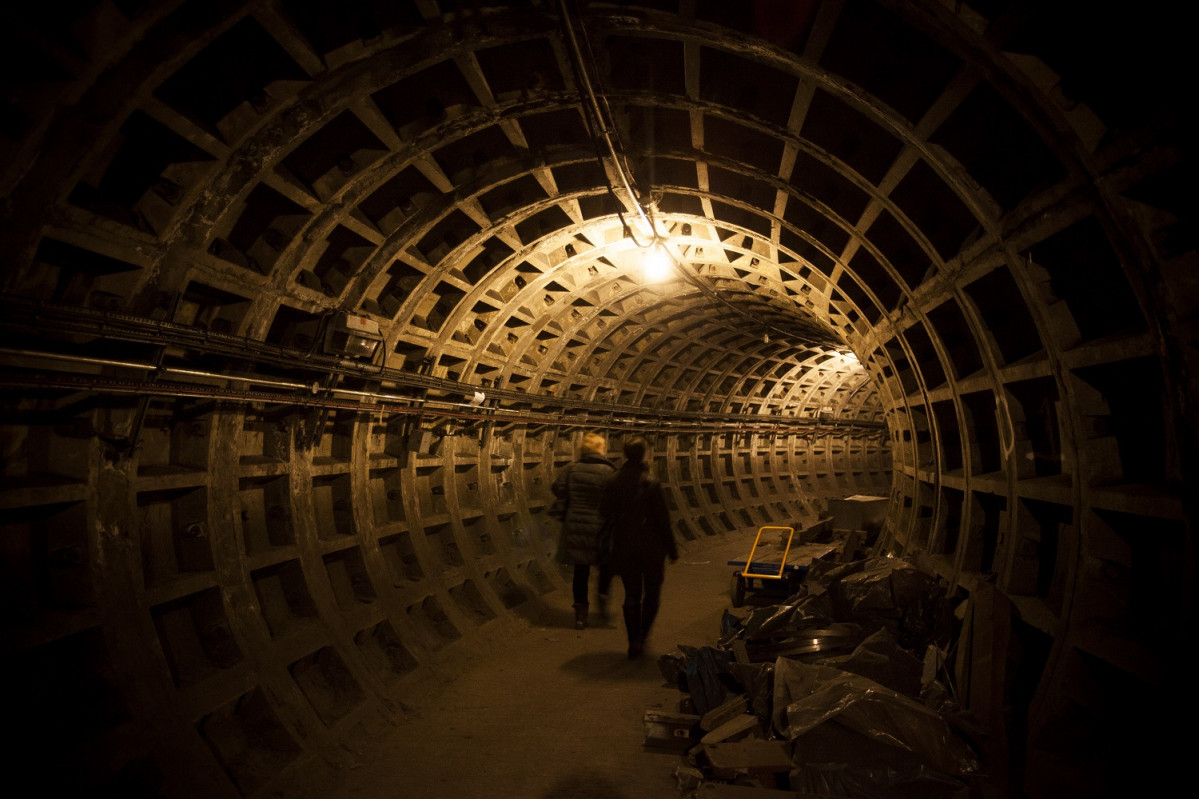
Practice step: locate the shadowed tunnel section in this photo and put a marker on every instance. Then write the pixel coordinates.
(305, 303)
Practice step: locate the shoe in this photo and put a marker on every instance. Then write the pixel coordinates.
(635, 649)
(580, 617)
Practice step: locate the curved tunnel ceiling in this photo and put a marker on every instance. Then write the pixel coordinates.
(938, 251)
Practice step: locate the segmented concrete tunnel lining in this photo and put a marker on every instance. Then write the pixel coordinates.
(940, 252)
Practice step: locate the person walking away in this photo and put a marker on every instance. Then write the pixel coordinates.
(579, 487)
(642, 539)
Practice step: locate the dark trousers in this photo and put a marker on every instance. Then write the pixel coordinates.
(583, 576)
(642, 595)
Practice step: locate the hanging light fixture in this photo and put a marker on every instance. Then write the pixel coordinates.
(656, 263)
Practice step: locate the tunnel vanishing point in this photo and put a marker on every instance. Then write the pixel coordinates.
(304, 304)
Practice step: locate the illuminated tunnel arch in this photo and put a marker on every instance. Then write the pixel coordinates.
(937, 252)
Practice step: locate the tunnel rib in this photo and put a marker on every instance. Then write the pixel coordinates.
(946, 258)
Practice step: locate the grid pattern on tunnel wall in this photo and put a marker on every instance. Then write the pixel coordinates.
(352, 563)
(975, 233)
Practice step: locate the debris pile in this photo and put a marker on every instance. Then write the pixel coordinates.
(839, 691)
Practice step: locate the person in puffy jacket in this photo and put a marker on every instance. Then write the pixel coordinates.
(642, 539)
(578, 488)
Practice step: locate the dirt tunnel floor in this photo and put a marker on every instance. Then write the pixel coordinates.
(553, 712)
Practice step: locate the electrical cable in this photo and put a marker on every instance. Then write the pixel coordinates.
(374, 403)
(596, 118)
(221, 385)
(597, 114)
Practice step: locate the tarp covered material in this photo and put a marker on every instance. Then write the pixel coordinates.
(706, 678)
(808, 696)
(880, 658)
(673, 666)
(888, 593)
(845, 670)
(840, 607)
(772, 620)
(874, 781)
(824, 573)
(784, 630)
(757, 683)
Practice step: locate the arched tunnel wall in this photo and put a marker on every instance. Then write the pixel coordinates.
(305, 305)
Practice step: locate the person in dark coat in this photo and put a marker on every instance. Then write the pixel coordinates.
(642, 539)
(579, 487)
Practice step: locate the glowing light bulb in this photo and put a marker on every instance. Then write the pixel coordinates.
(656, 264)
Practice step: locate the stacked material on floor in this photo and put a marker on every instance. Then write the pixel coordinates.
(842, 690)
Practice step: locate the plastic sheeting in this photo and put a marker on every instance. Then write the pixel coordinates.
(838, 670)
(880, 658)
(702, 673)
(840, 598)
(704, 677)
(892, 594)
(757, 684)
(771, 621)
(807, 696)
(875, 781)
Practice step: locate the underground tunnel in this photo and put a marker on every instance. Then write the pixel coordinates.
(305, 303)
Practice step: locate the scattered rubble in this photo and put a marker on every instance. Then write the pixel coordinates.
(838, 691)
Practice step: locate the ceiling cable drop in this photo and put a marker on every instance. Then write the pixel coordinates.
(598, 117)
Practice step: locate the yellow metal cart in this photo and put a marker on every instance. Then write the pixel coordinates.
(774, 562)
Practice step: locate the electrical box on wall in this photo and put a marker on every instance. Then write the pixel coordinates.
(352, 336)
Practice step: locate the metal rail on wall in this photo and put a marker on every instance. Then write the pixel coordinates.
(378, 389)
